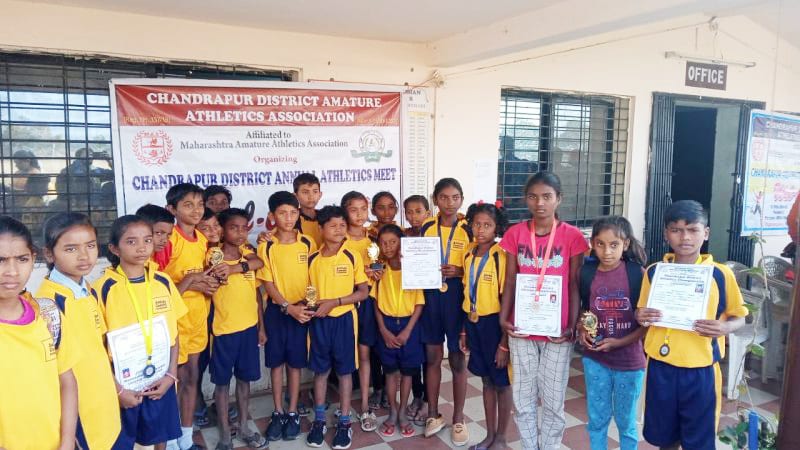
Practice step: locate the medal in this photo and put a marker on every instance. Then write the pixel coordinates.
(443, 288)
(473, 283)
(473, 316)
(147, 331)
(445, 254)
(149, 370)
(664, 350)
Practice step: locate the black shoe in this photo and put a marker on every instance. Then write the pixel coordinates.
(291, 427)
(343, 437)
(317, 434)
(275, 427)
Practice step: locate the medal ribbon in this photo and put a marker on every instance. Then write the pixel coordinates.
(146, 332)
(473, 279)
(446, 255)
(546, 262)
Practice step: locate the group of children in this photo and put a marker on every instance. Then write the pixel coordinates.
(311, 296)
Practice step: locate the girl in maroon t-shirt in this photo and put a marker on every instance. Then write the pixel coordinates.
(613, 360)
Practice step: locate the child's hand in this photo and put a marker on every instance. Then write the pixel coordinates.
(449, 270)
(374, 275)
(462, 344)
(511, 330)
(159, 388)
(501, 358)
(566, 336)
(300, 313)
(584, 339)
(129, 399)
(325, 308)
(647, 316)
(606, 345)
(264, 236)
(711, 328)
(221, 271)
(262, 336)
(402, 338)
(389, 339)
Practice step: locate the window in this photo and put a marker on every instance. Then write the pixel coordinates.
(581, 138)
(55, 132)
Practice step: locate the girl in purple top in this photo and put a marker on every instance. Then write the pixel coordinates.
(613, 360)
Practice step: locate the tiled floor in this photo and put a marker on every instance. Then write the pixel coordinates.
(765, 397)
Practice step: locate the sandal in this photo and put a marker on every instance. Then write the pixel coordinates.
(387, 429)
(375, 400)
(255, 441)
(413, 409)
(368, 421)
(407, 430)
(421, 418)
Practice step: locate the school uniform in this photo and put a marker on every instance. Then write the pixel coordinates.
(310, 227)
(484, 277)
(443, 317)
(333, 338)
(286, 265)
(153, 421)
(684, 386)
(397, 306)
(234, 345)
(98, 421)
(367, 326)
(188, 256)
(30, 366)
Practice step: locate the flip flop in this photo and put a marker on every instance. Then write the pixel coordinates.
(407, 430)
(387, 429)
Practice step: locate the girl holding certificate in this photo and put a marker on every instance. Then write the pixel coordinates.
(139, 303)
(71, 251)
(550, 253)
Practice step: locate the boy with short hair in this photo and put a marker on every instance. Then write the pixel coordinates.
(307, 190)
(338, 276)
(285, 278)
(238, 332)
(217, 198)
(162, 222)
(186, 268)
(684, 382)
(417, 211)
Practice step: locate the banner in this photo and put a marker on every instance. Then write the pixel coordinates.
(253, 138)
(772, 179)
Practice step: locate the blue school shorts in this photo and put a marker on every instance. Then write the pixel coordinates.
(409, 356)
(150, 423)
(333, 344)
(287, 339)
(235, 354)
(483, 337)
(442, 316)
(680, 406)
(367, 325)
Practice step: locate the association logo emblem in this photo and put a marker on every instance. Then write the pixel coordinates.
(152, 148)
(371, 146)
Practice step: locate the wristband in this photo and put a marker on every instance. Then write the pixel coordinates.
(172, 376)
(121, 390)
(503, 348)
(245, 267)
(340, 301)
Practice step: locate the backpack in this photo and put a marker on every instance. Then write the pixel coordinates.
(589, 270)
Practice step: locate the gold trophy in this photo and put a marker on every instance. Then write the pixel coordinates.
(590, 323)
(214, 257)
(311, 298)
(374, 252)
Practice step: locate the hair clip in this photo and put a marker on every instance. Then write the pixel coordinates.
(498, 204)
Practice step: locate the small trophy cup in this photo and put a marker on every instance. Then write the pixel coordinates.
(590, 323)
(374, 252)
(214, 257)
(311, 298)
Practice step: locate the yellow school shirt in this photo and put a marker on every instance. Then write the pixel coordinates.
(490, 282)
(310, 227)
(188, 256)
(286, 265)
(30, 400)
(98, 406)
(392, 299)
(461, 238)
(117, 306)
(336, 276)
(235, 303)
(359, 246)
(687, 348)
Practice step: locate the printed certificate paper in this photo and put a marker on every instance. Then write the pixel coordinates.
(539, 316)
(680, 292)
(130, 358)
(422, 262)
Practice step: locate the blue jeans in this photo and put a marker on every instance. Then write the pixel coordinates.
(612, 392)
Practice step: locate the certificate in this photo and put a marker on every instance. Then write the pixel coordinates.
(130, 357)
(538, 315)
(680, 292)
(422, 262)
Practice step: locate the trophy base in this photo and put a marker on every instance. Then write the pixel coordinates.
(376, 266)
(313, 307)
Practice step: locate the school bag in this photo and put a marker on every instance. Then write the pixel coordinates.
(589, 270)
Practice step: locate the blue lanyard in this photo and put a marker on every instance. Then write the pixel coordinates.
(473, 279)
(446, 256)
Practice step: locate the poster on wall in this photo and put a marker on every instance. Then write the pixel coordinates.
(253, 138)
(772, 179)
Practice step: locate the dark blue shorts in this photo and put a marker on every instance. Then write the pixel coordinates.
(235, 354)
(287, 339)
(442, 316)
(409, 356)
(680, 406)
(483, 338)
(333, 344)
(367, 325)
(150, 423)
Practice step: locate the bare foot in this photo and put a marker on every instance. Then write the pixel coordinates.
(498, 444)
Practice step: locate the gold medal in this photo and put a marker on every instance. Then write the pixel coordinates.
(473, 316)
(444, 287)
(664, 350)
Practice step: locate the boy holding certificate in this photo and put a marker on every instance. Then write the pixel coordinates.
(684, 382)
